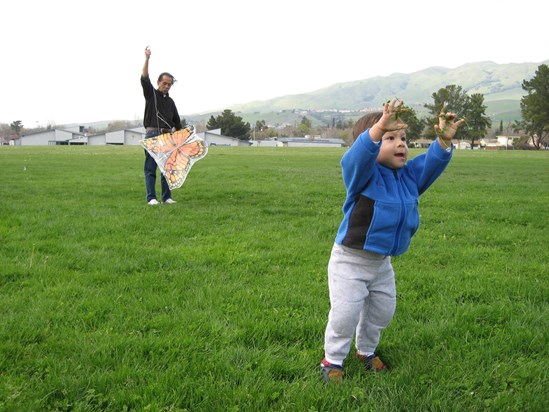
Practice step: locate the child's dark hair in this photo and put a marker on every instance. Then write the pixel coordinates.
(166, 74)
(365, 122)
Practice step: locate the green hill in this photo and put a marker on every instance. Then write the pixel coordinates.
(499, 83)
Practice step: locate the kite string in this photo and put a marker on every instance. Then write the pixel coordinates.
(158, 125)
(158, 116)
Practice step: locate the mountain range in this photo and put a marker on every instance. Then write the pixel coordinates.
(501, 85)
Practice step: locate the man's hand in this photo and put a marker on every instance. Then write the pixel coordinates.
(145, 71)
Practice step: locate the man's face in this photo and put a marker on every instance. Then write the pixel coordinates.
(165, 84)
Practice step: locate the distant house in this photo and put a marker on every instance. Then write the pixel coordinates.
(499, 143)
(215, 138)
(51, 137)
(311, 142)
(128, 137)
(490, 144)
(299, 142)
(425, 143)
(421, 143)
(132, 137)
(266, 143)
(71, 137)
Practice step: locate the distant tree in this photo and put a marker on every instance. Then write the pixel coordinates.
(344, 124)
(260, 125)
(453, 99)
(199, 125)
(261, 130)
(304, 128)
(230, 125)
(118, 125)
(5, 132)
(535, 107)
(476, 124)
(17, 127)
(415, 125)
(500, 127)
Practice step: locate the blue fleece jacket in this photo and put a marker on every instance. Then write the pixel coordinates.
(381, 208)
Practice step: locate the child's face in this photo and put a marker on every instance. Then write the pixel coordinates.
(394, 150)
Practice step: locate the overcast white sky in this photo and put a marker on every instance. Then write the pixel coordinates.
(80, 61)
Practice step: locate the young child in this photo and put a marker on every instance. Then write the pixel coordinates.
(380, 218)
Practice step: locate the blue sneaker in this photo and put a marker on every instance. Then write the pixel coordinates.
(331, 372)
(373, 362)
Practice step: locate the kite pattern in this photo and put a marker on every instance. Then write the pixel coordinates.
(175, 153)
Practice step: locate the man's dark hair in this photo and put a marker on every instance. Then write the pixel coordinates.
(166, 74)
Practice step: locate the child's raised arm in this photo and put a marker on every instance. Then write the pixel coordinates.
(447, 128)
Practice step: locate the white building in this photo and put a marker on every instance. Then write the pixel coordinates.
(266, 143)
(72, 137)
(500, 142)
(51, 137)
(310, 142)
(215, 138)
(129, 137)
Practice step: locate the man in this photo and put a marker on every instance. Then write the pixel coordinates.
(161, 116)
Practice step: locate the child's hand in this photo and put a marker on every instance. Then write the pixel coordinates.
(390, 120)
(447, 125)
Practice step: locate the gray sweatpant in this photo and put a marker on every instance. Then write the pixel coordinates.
(362, 299)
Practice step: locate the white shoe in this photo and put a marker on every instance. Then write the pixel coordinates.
(153, 202)
(170, 201)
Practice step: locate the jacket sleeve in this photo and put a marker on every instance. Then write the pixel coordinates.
(148, 88)
(428, 166)
(358, 163)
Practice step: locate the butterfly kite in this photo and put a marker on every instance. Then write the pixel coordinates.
(175, 153)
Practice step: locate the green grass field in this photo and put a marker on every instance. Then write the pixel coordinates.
(219, 302)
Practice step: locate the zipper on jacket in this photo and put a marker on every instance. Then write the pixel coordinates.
(401, 220)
